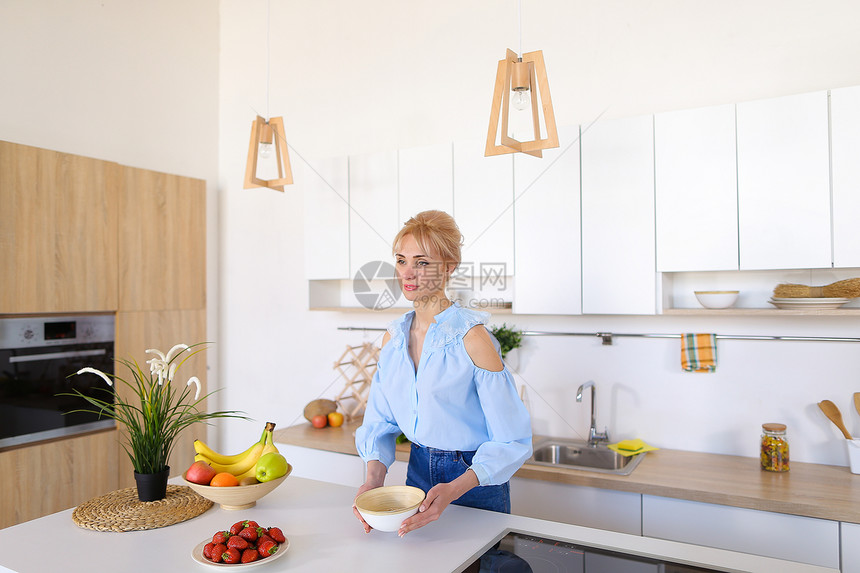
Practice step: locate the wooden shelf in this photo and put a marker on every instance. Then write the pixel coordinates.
(759, 312)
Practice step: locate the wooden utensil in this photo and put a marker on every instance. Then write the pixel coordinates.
(857, 401)
(832, 412)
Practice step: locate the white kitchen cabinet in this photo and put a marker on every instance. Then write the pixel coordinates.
(784, 183)
(373, 217)
(850, 540)
(618, 252)
(791, 537)
(325, 188)
(695, 175)
(483, 208)
(845, 142)
(578, 505)
(548, 278)
(332, 467)
(425, 180)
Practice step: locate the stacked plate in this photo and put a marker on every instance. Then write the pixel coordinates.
(808, 303)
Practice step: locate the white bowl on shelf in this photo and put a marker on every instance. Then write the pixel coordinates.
(717, 298)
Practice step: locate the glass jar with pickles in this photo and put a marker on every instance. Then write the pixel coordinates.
(774, 448)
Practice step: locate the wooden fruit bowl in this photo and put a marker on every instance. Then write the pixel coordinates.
(238, 496)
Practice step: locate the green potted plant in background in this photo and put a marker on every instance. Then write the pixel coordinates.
(509, 338)
(153, 414)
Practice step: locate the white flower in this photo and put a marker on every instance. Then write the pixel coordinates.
(196, 382)
(96, 372)
(162, 366)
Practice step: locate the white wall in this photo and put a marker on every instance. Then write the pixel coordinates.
(352, 78)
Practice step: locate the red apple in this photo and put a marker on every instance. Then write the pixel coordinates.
(319, 421)
(200, 472)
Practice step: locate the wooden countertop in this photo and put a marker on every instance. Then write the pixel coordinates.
(810, 490)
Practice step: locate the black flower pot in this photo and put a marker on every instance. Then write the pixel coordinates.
(152, 487)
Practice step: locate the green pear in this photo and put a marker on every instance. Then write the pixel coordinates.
(271, 466)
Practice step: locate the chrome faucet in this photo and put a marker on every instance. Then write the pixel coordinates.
(594, 437)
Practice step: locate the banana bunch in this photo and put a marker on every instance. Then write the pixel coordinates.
(241, 465)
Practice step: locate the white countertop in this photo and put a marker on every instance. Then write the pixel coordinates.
(325, 536)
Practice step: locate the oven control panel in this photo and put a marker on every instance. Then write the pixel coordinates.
(39, 331)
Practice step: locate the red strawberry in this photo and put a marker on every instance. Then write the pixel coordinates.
(237, 527)
(218, 552)
(220, 537)
(276, 534)
(264, 537)
(232, 555)
(253, 524)
(249, 534)
(250, 555)
(237, 542)
(266, 548)
(207, 550)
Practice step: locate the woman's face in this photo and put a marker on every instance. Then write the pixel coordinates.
(421, 274)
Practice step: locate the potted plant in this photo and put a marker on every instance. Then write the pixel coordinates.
(508, 338)
(154, 413)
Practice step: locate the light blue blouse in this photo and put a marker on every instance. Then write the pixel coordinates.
(448, 404)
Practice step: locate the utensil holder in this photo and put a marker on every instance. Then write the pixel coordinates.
(853, 454)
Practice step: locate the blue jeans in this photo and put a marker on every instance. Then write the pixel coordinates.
(429, 466)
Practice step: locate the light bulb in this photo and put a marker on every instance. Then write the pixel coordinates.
(265, 150)
(521, 100)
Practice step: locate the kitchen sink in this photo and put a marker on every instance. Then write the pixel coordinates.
(578, 455)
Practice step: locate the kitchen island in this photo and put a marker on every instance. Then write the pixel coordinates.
(324, 535)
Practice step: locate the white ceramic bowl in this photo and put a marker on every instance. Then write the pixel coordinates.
(385, 508)
(717, 298)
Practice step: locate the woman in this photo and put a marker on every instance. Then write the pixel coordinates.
(441, 381)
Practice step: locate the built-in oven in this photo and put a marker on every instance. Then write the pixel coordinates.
(519, 552)
(37, 356)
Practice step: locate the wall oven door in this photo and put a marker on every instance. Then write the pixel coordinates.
(37, 356)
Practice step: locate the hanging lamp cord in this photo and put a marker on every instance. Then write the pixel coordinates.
(268, 53)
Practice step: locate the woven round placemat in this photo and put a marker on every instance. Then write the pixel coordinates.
(120, 510)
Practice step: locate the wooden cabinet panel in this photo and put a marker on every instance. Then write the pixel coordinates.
(791, 537)
(325, 186)
(58, 231)
(425, 180)
(162, 255)
(784, 183)
(695, 174)
(138, 331)
(845, 129)
(56, 475)
(618, 253)
(547, 229)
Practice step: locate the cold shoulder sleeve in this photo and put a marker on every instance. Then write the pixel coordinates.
(508, 427)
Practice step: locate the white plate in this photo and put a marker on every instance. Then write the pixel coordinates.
(784, 305)
(827, 300)
(197, 555)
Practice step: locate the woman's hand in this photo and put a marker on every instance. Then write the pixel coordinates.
(376, 471)
(438, 498)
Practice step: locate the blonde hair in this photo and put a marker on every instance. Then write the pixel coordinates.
(436, 233)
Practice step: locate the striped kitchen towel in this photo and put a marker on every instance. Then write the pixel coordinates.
(699, 352)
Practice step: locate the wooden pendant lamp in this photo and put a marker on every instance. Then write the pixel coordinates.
(268, 133)
(521, 74)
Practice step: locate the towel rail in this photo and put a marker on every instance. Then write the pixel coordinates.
(606, 337)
